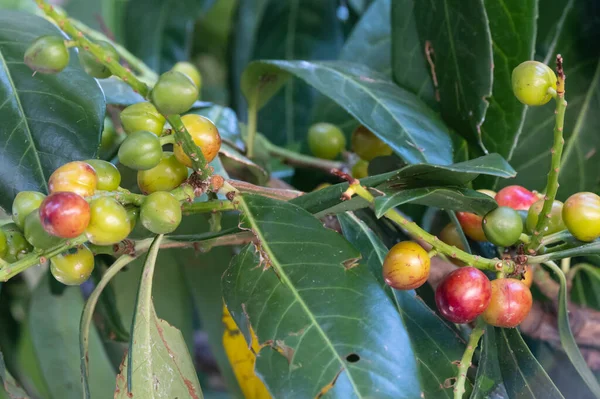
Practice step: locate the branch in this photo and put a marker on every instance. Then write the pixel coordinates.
(276, 193)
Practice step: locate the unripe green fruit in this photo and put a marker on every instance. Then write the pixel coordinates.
(531, 81)
(16, 242)
(48, 54)
(36, 235)
(109, 222)
(24, 203)
(165, 176)
(93, 66)
(503, 226)
(109, 177)
(160, 213)
(555, 222)
(174, 93)
(188, 69)
(367, 145)
(326, 140)
(142, 116)
(140, 151)
(3, 244)
(360, 169)
(74, 266)
(133, 214)
(581, 214)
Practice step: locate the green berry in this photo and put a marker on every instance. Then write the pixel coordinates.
(3, 244)
(141, 150)
(188, 69)
(165, 176)
(74, 266)
(36, 235)
(93, 66)
(326, 140)
(503, 226)
(160, 213)
(109, 222)
(16, 242)
(360, 169)
(109, 177)
(24, 203)
(174, 93)
(531, 81)
(48, 54)
(367, 145)
(142, 116)
(581, 215)
(555, 222)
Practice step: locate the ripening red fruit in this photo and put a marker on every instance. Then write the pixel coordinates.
(463, 295)
(516, 197)
(471, 223)
(406, 266)
(65, 214)
(510, 303)
(76, 177)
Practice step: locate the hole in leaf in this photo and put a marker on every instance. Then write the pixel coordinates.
(352, 358)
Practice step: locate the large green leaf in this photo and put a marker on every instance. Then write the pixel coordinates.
(294, 30)
(323, 318)
(47, 120)
(459, 35)
(395, 115)
(159, 32)
(507, 369)
(580, 164)
(9, 385)
(436, 346)
(368, 44)
(158, 364)
(54, 322)
(409, 63)
(513, 26)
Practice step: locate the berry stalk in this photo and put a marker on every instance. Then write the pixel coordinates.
(183, 137)
(465, 362)
(295, 158)
(557, 148)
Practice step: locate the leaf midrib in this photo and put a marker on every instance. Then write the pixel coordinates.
(285, 279)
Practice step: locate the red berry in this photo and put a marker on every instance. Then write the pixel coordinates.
(463, 295)
(516, 197)
(65, 214)
(471, 223)
(510, 303)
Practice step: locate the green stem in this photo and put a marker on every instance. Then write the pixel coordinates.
(587, 249)
(252, 117)
(169, 139)
(465, 362)
(297, 159)
(84, 44)
(183, 138)
(524, 238)
(563, 235)
(552, 184)
(207, 206)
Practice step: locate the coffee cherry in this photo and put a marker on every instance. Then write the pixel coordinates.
(174, 93)
(109, 222)
(141, 150)
(463, 295)
(360, 169)
(189, 70)
(109, 177)
(109, 141)
(160, 213)
(581, 215)
(531, 81)
(24, 203)
(368, 146)
(516, 197)
(17, 245)
(75, 177)
(93, 66)
(65, 214)
(450, 236)
(48, 54)
(503, 226)
(204, 133)
(165, 176)
(555, 222)
(133, 214)
(326, 140)
(510, 303)
(74, 266)
(406, 266)
(471, 223)
(3, 244)
(36, 235)
(142, 116)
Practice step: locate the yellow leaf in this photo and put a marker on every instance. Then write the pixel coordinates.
(242, 359)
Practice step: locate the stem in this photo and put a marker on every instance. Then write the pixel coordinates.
(587, 249)
(244, 187)
(465, 362)
(207, 206)
(252, 116)
(563, 235)
(413, 229)
(84, 44)
(294, 158)
(565, 265)
(524, 238)
(169, 139)
(183, 138)
(557, 148)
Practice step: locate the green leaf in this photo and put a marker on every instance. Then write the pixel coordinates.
(294, 30)
(586, 286)
(12, 388)
(47, 120)
(436, 345)
(566, 335)
(513, 27)
(324, 320)
(507, 369)
(118, 92)
(54, 321)
(451, 198)
(107, 15)
(359, 6)
(395, 115)
(410, 67)
(580, 164)
(459, 35)
(158, 364)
